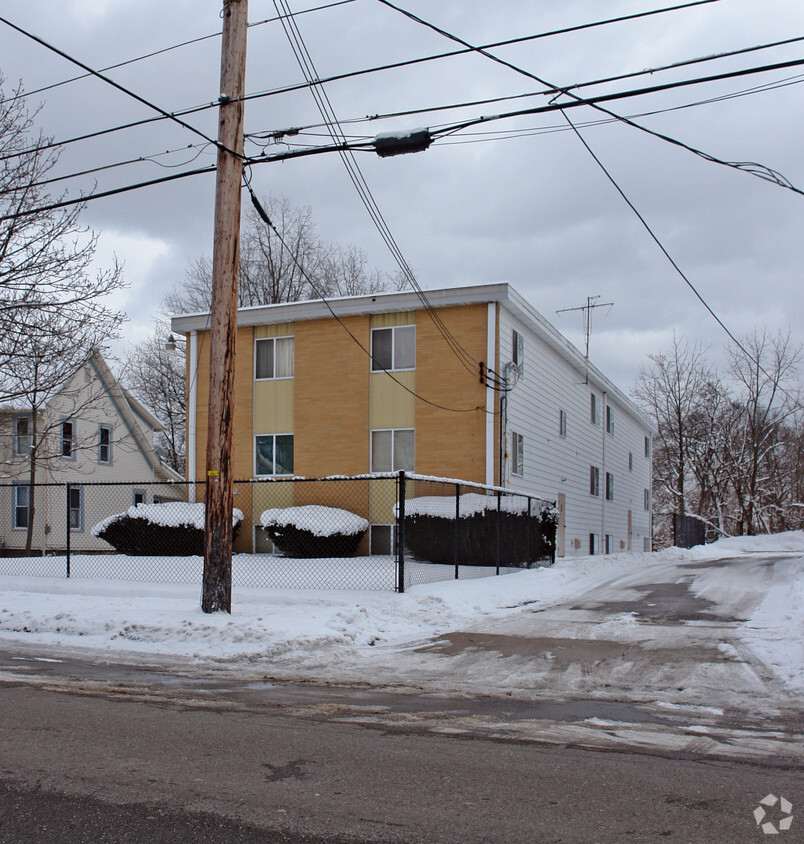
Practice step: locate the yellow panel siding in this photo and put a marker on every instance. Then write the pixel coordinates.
(451, 444)
(273, 407)
(386, 320)
(393, 406)
(283, 330)
(243, 432)
(202, 406)
(331, 397)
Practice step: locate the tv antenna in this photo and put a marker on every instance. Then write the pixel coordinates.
(591, 304)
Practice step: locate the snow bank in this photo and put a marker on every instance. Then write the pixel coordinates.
(315, 519)
(170, 514)
(470, 504)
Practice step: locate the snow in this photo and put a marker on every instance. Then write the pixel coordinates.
(316, 519)
(171, 514)
(470, 504)
(348, 635)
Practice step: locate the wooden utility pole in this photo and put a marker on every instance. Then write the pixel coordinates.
(217, 589)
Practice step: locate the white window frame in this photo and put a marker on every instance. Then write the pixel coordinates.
(647, 447)
(72, 438)
(273, 341)
(517, 454)
(646, 499)
(16, 506)
(141, 492)
(77, 528)
(594, 410)
(594, 481)
(609, 420)
(274, 474)
(20, 438)
(393, 550)
(609, 486)
(394, 329)
(630, 461)
(393, 432)
(562, 423)
(101, 428)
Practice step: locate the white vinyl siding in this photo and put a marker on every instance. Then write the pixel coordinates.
(560, 454)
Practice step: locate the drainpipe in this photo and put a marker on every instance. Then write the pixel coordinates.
(191, 416)
(603, 479)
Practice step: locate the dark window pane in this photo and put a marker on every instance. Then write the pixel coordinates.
(264, 353)
(284, 454)
(264, 456)
(381, 341)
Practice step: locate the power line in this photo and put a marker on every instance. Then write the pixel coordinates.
(162, 51)
(358, 180)
(266, 219)
(109, 81)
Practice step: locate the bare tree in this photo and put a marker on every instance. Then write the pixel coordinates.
(291, 266)
(156, 375)
(671, 390)
(46, 280)
(765, 371)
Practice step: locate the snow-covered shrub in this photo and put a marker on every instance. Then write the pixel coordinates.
(431, 534)
(172, 529)
(313, 530)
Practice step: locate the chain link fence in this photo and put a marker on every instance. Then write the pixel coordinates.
(375, 532)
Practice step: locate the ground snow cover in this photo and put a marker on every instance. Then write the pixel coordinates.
(353, 635)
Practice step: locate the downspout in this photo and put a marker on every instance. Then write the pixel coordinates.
(603, 479)
(191, 416)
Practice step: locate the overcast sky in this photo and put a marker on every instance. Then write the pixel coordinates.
(518, 200)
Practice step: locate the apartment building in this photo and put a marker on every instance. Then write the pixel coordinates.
(472, 383)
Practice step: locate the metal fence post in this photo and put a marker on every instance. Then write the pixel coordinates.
(400, 535)
(457, 531)
(68, 528)
(528, 551)
(497, 532)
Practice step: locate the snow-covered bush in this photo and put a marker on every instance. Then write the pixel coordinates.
(172, 529)
(431, 533)
(313, 530)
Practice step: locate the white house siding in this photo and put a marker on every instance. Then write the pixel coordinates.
(88, 404)
(554, 464)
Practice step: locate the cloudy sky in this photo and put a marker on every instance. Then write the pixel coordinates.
(518, 200)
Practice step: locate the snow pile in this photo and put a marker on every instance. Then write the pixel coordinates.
(170, 514)
(470, 504)
(315, 519)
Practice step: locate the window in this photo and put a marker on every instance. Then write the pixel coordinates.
(157, 499)
(76, 500)
(594, 480)
(139, 497)
(647, 446)
(592, 544)
(517, 454)
(273, 454)
(392, 450)
(646, 499)
(562, 423)
(609, 419)
(518, 350)
(609, 486)
(630, 461)
(273, 357)
(593, 411)
(105, 444)
(22, 500)
(393, 348)
(68, 438)
(22, 436)
(609, 543)
(382, 539)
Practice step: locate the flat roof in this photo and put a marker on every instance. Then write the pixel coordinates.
(384, 303)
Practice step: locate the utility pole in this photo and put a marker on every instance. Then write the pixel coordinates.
(217, 588)
(591, 304)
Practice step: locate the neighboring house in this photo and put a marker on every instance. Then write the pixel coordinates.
(312, 401)
(90, 430)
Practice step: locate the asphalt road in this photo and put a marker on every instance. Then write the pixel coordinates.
(96, 748)
(107, 762)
